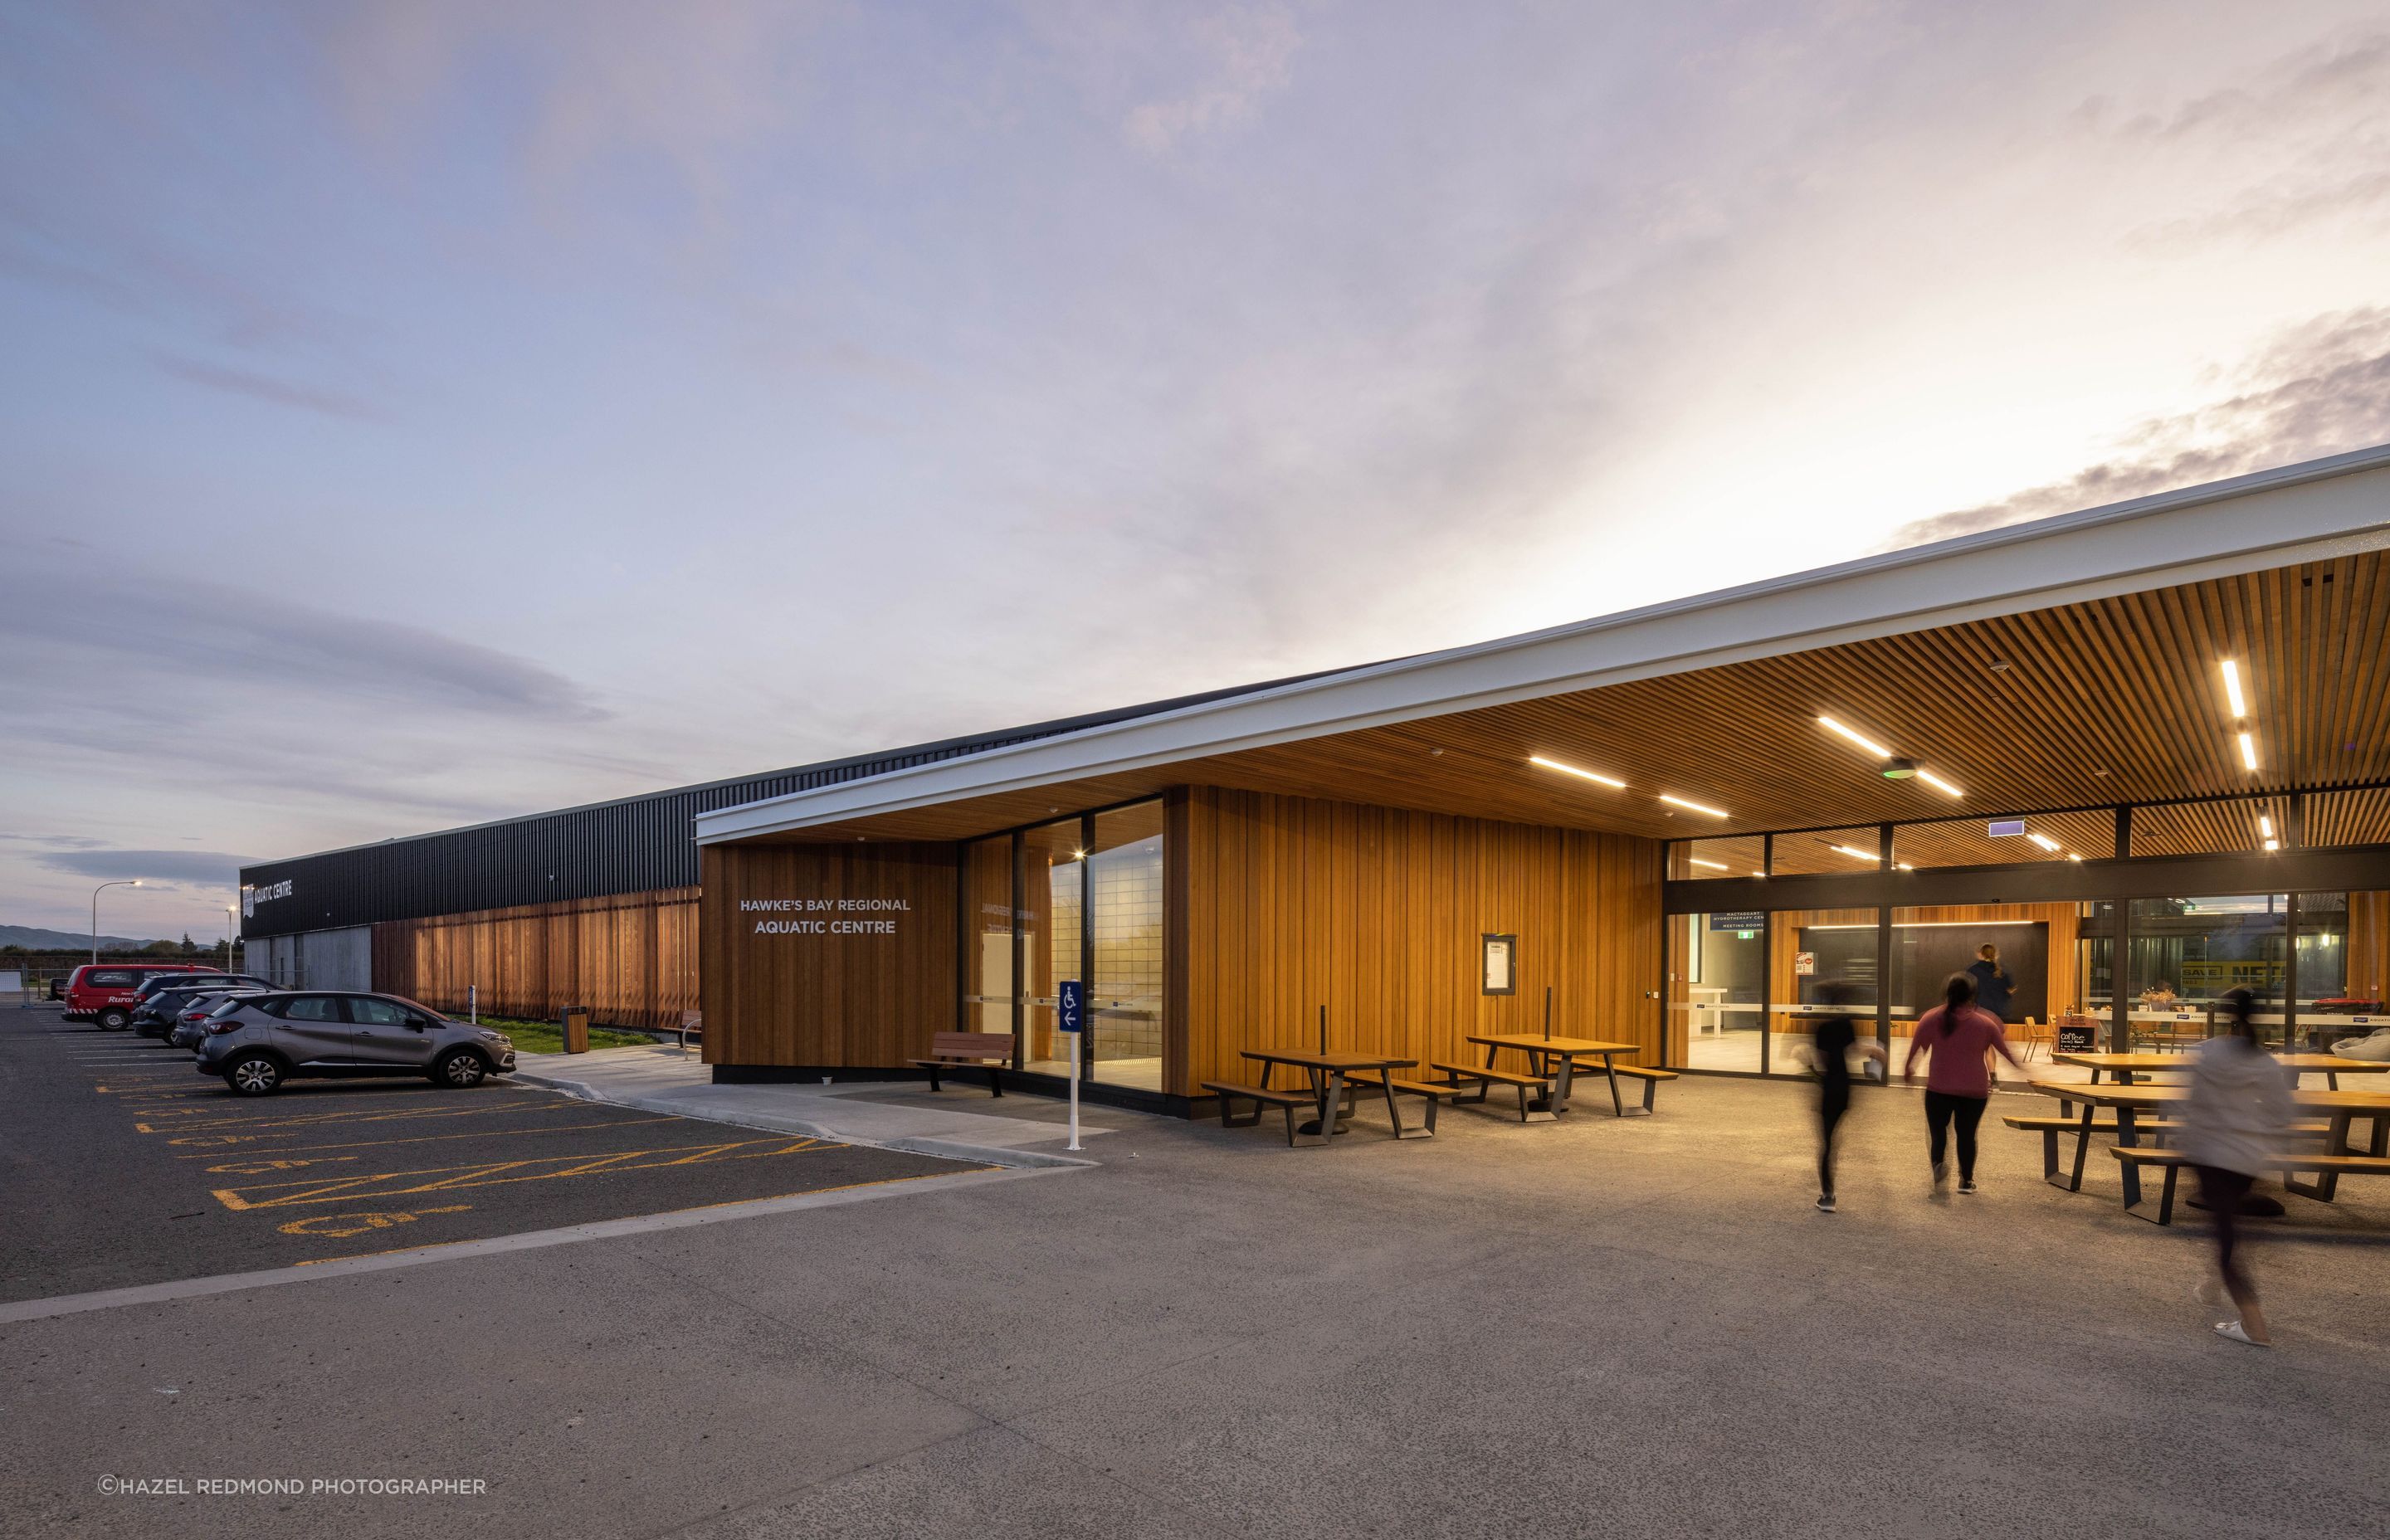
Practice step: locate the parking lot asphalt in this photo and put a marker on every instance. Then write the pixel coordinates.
(120, 1165)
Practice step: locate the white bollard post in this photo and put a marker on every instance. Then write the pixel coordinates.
(1075, 1088)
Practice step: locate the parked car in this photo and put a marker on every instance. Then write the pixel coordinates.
(104, 992)
(258, 1042)
(161, 1001)
(190, 1024)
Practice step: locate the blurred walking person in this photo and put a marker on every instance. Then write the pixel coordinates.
(2236, 1117)
(1830, 1046)
(1959, 1081)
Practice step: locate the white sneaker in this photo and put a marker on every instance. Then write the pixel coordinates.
(1825, 1203)
(2234, 1330)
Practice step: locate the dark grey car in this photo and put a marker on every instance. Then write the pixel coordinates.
(258, 1042)
(162, 1001)
(188, 1028)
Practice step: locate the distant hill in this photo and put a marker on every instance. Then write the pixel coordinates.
(35, 939)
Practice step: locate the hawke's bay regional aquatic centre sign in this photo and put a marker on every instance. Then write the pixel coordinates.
(825, 916)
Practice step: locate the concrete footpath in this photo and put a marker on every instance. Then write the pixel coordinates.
(963, 1122)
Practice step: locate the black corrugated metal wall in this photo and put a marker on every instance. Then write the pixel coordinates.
(636, 845)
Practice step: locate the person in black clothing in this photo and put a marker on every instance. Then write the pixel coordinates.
(1830, 1047)
(1994, 983)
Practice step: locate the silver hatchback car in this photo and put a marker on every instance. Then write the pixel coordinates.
(257, 1042)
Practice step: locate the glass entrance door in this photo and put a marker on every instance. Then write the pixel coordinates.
(1124, 1000)
(1053, 864)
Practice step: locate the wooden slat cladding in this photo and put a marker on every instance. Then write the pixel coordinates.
(2369, 945)
(2109, 700)
(2349, 817)
(776, 996)
(1286, 904)
(631, 958)
(2206, 829)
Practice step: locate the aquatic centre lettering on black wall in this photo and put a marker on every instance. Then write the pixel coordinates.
(824, 917)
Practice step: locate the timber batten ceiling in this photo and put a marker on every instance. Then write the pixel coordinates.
(2105, 700)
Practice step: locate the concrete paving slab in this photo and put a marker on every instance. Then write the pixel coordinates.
(1592, 1325)
(661, 1079)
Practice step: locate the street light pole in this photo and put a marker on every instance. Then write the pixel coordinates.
(128, 882)
(229, 911)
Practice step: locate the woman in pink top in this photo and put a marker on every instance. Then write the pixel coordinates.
(1959, 1081)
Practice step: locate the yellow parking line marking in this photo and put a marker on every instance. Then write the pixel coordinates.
(339, 1226)
(433, 1138)
(261, 1166)
(273, 1195)
(379, 1113)
(697, 1208)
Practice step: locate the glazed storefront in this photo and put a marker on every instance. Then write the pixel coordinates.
(2287, 896)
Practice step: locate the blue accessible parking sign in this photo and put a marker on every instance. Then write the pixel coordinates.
(1067, 1014)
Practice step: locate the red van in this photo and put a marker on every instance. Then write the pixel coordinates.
(103, 992)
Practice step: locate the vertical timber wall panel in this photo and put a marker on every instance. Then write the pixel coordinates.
(533, 961)
(1286, 904)
(830, 1000)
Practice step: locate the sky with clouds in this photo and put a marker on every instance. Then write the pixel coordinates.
(424, 412)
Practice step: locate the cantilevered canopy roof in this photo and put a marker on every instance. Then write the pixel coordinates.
(2071, 662)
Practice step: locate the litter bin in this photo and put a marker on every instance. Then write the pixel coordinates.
(576, 1029)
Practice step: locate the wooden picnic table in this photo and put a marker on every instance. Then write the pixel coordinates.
(1328, 1085)
(1555, 1059)
(2124, 1067)
(2342, 1107)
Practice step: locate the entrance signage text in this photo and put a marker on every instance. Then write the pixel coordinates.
(824, 917)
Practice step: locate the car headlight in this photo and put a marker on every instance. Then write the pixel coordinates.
(497, 1037)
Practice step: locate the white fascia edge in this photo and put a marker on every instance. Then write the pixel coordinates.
(2308, 512)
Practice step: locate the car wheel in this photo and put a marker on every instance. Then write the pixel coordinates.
(113, 1018)
(460, 1068)
(254, 1074)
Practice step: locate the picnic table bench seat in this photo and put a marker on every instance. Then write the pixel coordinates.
(1459, 1076)
(1433, 1094)
(990, 1051)
(1230, 1093)
(2326, 1167)
(1650, 1079)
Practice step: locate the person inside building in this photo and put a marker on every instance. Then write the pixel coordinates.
(1994, 984)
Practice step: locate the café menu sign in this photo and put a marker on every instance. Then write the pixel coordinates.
(825, 916)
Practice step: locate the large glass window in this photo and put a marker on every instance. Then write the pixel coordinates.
(1821, 962)
(2187, 952)
(1717, 990)
(2240, 826)
(2006, 841)
(2343, 939)
(1052, 866)
(1839, 851)
(1125, 1006)
(987, 935)
(2034, 974)
(1729, 855)
(2347, 818)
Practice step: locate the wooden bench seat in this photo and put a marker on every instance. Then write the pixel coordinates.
(2328, 1167)
(1435, 1094)
(1459, 1076)
(1650, 1079)
(1230, 1093)
(990, 1051)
